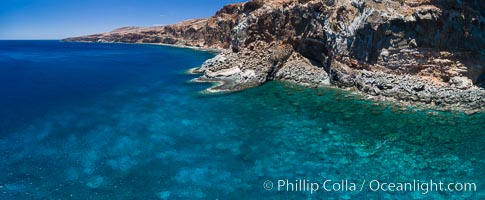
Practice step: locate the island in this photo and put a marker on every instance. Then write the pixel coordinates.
(420, 52)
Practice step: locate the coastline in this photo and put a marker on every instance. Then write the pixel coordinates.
(206, 49)
(406, 90)
(222, 86)
(383, 100)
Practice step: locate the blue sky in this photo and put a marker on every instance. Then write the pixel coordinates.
(55, 19)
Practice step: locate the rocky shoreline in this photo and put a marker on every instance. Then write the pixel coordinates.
(405, 90)
(428, 53)
(409, 90)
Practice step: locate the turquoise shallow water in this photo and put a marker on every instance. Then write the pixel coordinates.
(121, 122)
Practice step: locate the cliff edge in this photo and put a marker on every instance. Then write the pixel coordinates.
(425, 52)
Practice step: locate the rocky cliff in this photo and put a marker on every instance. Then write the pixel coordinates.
(427, 52)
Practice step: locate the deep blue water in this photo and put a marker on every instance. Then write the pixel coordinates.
(119, 121)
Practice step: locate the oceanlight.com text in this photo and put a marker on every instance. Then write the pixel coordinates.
(423, 187)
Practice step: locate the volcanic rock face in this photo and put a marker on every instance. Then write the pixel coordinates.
(424, 51)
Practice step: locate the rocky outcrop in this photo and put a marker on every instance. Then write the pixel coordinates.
(423, 51)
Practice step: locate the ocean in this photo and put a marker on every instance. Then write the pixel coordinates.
(122, 121)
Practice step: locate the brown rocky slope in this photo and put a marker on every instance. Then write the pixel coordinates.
(426, 52)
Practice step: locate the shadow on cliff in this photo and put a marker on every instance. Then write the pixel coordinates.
(316, 50)
(477, 5)
(454, 30)
(481, 81)
(443, 34)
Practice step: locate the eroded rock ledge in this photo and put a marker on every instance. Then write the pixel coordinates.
(423, 51)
